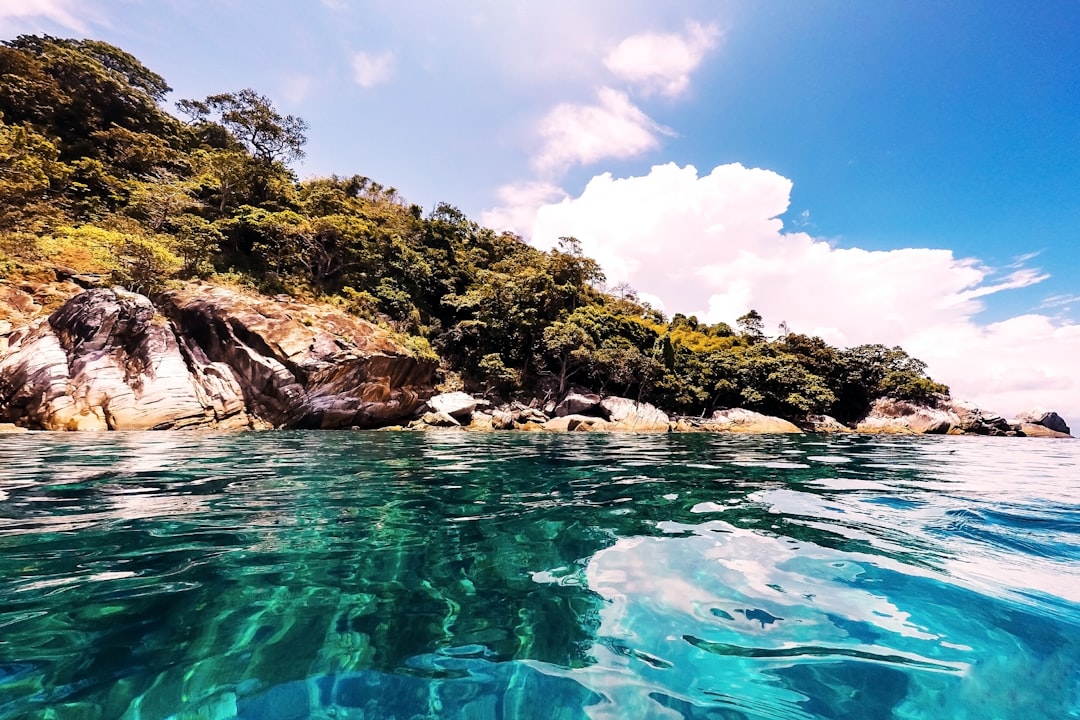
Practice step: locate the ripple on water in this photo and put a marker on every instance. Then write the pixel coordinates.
(310, 575)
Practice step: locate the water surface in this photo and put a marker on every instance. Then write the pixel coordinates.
(349, 575)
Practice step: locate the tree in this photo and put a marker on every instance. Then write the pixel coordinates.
(752, 326)
(269, 136)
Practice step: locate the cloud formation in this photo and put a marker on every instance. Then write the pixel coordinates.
(371, 69)
(662, 63)
(714, 246)
(582, 134)
(60, 12)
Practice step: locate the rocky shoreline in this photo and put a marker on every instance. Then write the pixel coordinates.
(211, 357)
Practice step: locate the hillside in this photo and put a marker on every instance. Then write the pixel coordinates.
(100, 182)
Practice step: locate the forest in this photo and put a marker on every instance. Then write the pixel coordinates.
(98, 176)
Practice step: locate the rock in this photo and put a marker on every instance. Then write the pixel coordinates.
(900, 417)
(1046, 418)
(577, 404)
(530, 415)
(738, 420)
(438, 419)
(106, 361)
(481, 421)
(502, 420)
(577, 423)
(825, 424)
(301, 365)
(457, 405)
(1041, 431)
(11, 428)
(976, 421)
(627, 415)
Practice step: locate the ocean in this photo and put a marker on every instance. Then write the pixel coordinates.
(294, 575)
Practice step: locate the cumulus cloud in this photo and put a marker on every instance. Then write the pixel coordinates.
(371, 69)
(714, 246)
(581, 134)
(662, 63)
(15, 13)
(518, 205)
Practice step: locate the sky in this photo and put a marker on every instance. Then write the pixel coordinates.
(897, 172)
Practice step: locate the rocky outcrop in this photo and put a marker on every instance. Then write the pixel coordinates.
(1044, 418)
(578, 403)
(954, 417)
(300, 365)
(106, 361)
(900, 417)
(625, 415)
(736, 420)
(457, 405)
(216, 358)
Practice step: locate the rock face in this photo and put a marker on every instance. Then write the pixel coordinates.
(955, 417)
(108, 360)
(577, 404)
(627, 415)
(747, 421)
(1046, 418)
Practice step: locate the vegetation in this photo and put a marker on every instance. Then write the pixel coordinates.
(96, 176)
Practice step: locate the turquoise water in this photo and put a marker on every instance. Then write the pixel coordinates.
(406, 575)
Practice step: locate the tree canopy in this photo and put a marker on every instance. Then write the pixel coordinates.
(97, 176)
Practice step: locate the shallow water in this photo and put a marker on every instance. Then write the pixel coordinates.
(406, 575)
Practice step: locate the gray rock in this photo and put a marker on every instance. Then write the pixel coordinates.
(457, 405)
(739, 420)
(627, 415)
(1046, 418)
(108, 360)
(577, 404)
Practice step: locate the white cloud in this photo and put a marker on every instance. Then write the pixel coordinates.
(714, 246)
(583, 134)
(371, 69)
(15, 14)
(662, 62)
(518, 205)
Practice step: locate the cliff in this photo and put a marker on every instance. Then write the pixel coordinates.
(206, 357)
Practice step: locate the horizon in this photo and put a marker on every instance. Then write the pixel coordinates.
(897, 175)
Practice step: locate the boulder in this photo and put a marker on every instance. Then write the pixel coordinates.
(1046, 418)
(825, 424)
(900, 417)
(738, 420)
(300, 365)
(577, 423)
(973, 420)
(457, 405)
(577, 404)
(1036, 430)
(106, 361)
(502, 420)
(217, 358)
(627, 415)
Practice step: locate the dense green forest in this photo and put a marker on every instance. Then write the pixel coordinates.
(96, 175)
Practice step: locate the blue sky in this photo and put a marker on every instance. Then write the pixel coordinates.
(923, 156)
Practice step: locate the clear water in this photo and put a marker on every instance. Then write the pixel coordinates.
(397, 575)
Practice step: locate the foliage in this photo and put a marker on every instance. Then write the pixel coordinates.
(95, 176)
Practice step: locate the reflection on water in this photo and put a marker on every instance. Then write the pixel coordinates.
(392, 575)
